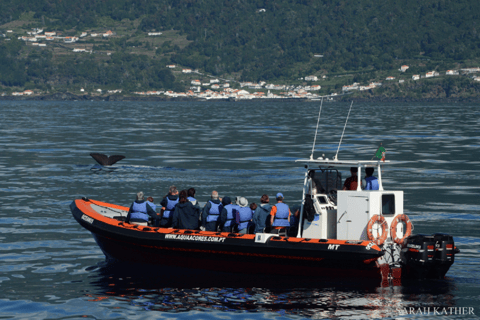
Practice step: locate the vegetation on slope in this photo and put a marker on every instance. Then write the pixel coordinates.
(271, 40)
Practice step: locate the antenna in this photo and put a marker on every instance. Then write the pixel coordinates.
(316, 130)
(336, 155)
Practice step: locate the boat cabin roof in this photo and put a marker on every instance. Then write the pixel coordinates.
(325, 162)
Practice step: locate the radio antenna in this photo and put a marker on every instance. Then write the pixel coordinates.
(336, 155)
(316, 130)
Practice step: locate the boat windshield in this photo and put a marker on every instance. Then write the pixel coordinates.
(326, 180)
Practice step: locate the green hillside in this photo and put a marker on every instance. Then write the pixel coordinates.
(274, 41)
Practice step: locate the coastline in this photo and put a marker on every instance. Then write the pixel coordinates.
(116, 97)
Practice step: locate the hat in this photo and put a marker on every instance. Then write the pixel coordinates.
(279, 195)
(242, 202)
(226, 200)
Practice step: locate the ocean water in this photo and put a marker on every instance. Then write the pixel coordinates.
(51, 268)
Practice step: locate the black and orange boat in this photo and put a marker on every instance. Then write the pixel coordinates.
(360, 233)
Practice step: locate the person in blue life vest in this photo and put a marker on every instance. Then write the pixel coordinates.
(185, 215)
(191, 196)
(244, 215)
(261, 215)
(168, 205)
(280, 215)
(140, 210)
(151, 203)
(211, 213)
(227, 216)
(371, 181)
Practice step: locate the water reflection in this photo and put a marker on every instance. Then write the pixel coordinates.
(156, 288)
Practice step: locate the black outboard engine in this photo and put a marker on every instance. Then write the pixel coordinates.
(427, 256)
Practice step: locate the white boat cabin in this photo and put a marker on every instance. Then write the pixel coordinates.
(344, 215)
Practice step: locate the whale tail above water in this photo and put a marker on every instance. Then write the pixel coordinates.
(105, 160)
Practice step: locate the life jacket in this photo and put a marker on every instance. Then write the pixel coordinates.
(245, 215)
(152, 205)
(214, 212)
(372, 183)
(169, 207)
(230, 215)
(281, 217)
(192, 200)
(139, 211)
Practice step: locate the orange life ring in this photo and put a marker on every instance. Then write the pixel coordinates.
(393, 228)
(380, 239)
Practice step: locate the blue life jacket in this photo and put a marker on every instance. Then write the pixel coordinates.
(245, 215)
(281, 217)
(230, 215)
(169, 207)
(152, 205)
(372, 183)
(214, 212)
(192, 200)
(139, 211)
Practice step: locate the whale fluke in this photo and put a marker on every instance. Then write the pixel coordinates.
(105, 160)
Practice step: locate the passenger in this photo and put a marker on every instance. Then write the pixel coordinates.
(211, 213)
(151, 203)
(227, 217)
(185, 215)
(168, 205)
(191, 196)
(280, 215)
(261, 215)
(236, 205)
(351, 182)
(371, 181)
(244, 215)
(294, 220)
(140, 210)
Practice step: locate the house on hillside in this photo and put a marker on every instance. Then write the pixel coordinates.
(195, 83)
(452, 73)
(404, 68)
(186, 70)
(170, 66)
(311, 78)
(416, 77)
(109, 33)
(50, 34)
(390, 78)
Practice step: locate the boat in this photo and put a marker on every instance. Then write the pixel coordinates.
(358, 233)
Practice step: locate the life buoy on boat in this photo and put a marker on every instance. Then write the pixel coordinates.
(393, 228)
(380, 239)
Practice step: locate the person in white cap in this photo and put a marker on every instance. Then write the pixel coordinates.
(244, 215)
(280, 215)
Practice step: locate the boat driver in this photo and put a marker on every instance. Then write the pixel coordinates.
(351, 182)
(371, 181)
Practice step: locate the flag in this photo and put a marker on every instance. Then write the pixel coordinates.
(380, 154)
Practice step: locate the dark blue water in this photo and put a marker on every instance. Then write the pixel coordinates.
(51, 268)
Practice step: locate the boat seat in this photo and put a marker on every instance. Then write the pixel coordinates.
(280, 232)
(139, 223)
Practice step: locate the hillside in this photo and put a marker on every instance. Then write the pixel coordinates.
(277, 41)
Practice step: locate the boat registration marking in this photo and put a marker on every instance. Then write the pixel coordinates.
(87, 218)
(193, 238)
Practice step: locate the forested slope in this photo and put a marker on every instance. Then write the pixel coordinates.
(268, 40)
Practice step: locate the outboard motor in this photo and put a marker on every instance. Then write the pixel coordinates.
(427, 256)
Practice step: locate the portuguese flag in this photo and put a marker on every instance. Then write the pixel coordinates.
(380, 154)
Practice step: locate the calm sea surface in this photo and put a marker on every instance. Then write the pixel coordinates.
(51, 268)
